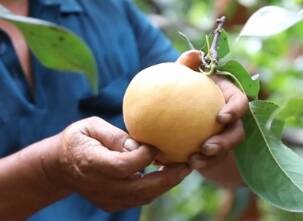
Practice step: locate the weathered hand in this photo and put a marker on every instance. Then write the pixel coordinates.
(93, 159)
(216, 148)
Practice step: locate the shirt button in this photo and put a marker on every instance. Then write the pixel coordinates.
(3, 48)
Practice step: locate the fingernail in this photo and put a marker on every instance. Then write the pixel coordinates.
(160, 168)
(184, 173)
(131, 144)
(224, 118)
(210, 149)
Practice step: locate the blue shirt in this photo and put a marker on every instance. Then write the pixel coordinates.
(123, 42)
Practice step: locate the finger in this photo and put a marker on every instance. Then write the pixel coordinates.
(110, 136)
(136, 160)
(120, 164)
(227, 140)
(230, 177)
(156, 183)
(235, 108)
(136, 191)
(236, 101)
(191, 59)
(198, 161)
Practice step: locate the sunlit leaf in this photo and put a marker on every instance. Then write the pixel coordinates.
(54, 46)
(270, 20)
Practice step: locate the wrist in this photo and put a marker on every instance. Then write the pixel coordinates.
(52, 166)
(23, 177)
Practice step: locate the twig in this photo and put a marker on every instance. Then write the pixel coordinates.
(217, 32)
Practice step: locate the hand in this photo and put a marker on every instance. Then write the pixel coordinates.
(216, 149)
(93, 159)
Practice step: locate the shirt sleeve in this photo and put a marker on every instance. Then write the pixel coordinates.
(153, 46)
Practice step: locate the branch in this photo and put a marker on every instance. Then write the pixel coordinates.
(217, 32)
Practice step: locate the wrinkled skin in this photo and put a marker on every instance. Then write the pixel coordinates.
(94, 160)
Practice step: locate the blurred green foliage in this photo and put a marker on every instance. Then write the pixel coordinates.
(278, 60)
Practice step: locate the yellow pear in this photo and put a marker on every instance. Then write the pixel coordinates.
(172, 108)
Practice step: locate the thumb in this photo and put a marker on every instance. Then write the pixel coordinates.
(191, 59)
(108, 135)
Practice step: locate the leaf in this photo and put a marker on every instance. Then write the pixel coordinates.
(235, 70)
(54, 46)
(188, 41)
(223, 45)
(291, 112)
(270, 20)
(270, 169)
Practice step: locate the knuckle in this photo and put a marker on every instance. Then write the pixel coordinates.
(240, 105)
(93, 119)
(70, 133)
(116, 137)
(113, 137)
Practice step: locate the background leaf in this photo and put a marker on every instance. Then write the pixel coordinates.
(55, 47)
(292, 112)
(270, 169)
(270, 20)
(250, 86)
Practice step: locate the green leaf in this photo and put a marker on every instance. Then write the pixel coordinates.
(234, 69)
(270, 20)
(223, 45)
(270, 169)
(54, 46)
(292, 112)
